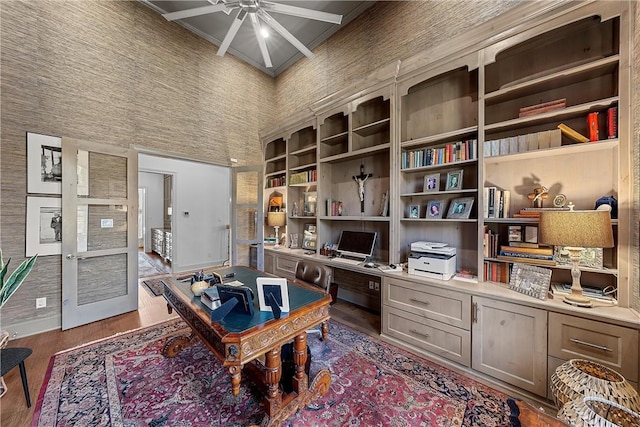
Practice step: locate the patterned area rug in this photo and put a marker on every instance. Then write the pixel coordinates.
(156, 286)
(146, 268)
(125, 381)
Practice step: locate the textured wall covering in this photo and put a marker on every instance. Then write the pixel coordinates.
(386, 32)
(113, 72)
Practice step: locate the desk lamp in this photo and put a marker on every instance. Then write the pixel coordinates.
(576, 230)
(276, 220)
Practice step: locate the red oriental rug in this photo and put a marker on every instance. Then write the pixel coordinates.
(125, 381)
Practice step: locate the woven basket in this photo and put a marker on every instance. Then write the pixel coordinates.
(597, 412)
(577, 378)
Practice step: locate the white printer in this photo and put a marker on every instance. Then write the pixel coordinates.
(432, 259)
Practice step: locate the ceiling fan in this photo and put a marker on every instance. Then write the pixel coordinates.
(257, 9)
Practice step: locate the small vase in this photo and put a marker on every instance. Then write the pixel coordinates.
(198, 287)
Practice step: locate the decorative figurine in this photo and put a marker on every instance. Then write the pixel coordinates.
(539, 194)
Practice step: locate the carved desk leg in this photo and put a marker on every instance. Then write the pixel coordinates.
(300, 380)
(325, 330)
(236, 375)
(273, 372)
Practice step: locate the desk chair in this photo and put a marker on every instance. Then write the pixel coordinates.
(317, 275)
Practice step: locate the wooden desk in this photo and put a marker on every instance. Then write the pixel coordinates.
(238, 340)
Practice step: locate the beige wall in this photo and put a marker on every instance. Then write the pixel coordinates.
(117, 73)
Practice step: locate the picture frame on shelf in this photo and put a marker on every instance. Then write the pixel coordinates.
(515, 233)
(44, 164)
(44, 226)
(531, 234)
(454, 180)
(431, 183)
(589, 257)
(310, 237)
(435, 209)
(414, 211)
(275, 286)
(530, 280)
(460, 208)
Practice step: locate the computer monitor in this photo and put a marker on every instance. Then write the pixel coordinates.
(357, 244)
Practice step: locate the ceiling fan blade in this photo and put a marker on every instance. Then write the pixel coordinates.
(268, 19)
(261, 42)
(235, 26)
(302, 12)
(196, 11)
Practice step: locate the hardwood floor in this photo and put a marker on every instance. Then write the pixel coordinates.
(13, 409)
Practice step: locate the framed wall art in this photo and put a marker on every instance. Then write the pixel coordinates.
(589, 257)
(44, 226)
(530, 280)
(460, 208)
(44, 164)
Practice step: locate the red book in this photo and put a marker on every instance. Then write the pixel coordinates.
(612, 123)
(592, 124)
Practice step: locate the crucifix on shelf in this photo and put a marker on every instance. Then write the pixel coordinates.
(360, 179)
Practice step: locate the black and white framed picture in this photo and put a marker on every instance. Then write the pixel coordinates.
(414, 211)
(44, 226)
(44, 164)
(460, 208)
(275, 287)
(454, 180)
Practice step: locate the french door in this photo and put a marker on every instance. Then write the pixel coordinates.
(99, 232)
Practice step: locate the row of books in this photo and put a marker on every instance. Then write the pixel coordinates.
(540, 255)
(334, 207)
(497, 271)
(454, 152)
(303, 177)
(490, 243)
(535, 212)
(496, 202)
(278, 181)
(593, 124)
(522, 143)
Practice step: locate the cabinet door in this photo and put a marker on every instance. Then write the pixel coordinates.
(509, 342)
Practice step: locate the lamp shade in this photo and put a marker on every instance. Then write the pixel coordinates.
(585, 229)
(276, 219)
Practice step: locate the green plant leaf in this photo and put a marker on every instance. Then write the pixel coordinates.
(16, 278)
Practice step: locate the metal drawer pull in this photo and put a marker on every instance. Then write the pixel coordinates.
(588, 344)
(413, 331)
(420, 301)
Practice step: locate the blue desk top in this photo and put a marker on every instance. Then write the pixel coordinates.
(236, 322)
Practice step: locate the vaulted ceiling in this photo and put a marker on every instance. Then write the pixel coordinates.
(217, 19)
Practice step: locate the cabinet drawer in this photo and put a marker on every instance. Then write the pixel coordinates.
(285, 267)
(611, 345)
(435, 337)
(452, 308)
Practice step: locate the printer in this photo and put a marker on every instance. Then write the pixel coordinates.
(432, 259)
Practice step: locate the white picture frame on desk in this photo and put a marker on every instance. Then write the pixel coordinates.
(276, 286)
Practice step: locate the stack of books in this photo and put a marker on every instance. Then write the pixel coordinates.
(535, 212)
(540, 255)
(497, 271)
(588, 291)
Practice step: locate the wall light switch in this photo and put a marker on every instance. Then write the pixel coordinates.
(41, 302)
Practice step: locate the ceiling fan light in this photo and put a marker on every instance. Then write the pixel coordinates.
(264, 32)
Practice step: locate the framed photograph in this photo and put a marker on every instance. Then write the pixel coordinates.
(431, 183)
(435, 208)
(44, 164)
(590, 257)
(454, 180)
(531, 234)
(276, 287)
(310, 237)
(515, 233)
(242, 293)
(530, 280)
(460, 208)
(44, 226)
(414, 211)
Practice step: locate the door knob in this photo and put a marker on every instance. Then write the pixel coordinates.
(71, 256)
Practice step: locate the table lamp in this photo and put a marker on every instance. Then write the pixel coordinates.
(276, 220)
(576, 230)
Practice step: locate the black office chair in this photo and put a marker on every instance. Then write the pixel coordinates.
(319, 276)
